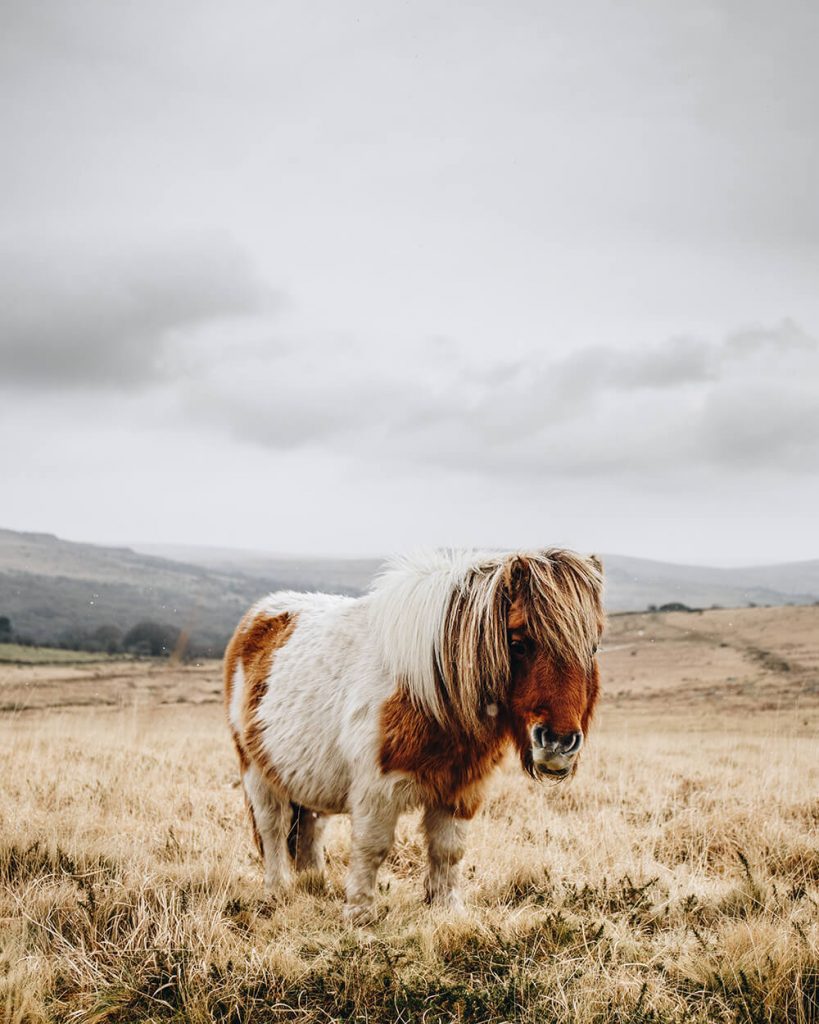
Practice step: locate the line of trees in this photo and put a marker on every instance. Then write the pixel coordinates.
(147, 639)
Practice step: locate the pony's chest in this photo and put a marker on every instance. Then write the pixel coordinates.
(445, 767)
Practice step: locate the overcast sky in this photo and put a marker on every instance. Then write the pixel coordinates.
(352, 277)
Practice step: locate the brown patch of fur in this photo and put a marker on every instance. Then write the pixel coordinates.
(261, 637)
(231, 663)
(516, 618)
(255, 642)
(244, 763)
(448, 765)
(593, 694)
(264, 635)
(548, 692)
(231, 660)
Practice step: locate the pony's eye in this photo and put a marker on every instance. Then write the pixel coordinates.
(518, 648)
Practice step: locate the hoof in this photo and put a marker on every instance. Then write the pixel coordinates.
(454, 903)
(311, 881)
(359, 914)
(451, 901)
(279, 885)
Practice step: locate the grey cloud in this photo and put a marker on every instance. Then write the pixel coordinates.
(768, 424)
(286, 395)
(787, 338)
(70, 321)
(688, 404)
(512, 405)
(680, 361)
(747, 403)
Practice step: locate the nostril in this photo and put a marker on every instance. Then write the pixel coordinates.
(545, 739)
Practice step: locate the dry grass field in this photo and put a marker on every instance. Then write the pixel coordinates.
(676, 878)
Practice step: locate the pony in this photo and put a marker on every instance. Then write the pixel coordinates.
(408, 697)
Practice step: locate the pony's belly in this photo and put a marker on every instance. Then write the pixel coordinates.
(308, 768)
(324, 795)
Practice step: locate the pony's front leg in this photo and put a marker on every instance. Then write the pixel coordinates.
(445, 842)
(373, 832)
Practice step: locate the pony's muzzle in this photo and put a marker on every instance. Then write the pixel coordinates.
(554, 754)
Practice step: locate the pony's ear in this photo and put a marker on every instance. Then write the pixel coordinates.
(597, 562)
(514, 573)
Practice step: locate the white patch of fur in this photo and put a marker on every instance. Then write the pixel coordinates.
(408, 610)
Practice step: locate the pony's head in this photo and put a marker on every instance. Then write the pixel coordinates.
(520, 638)
(482, 642)
(554, 622)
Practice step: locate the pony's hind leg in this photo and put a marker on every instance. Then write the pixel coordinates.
(271, 818)
(306, 839)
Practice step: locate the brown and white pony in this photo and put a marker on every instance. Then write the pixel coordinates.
(409, 697)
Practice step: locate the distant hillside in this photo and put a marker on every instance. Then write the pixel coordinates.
(53, 589)
(337, 575)
(633, 584)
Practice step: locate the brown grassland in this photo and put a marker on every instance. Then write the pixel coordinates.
(676, 878)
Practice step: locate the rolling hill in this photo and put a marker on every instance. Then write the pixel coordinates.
(632, 584)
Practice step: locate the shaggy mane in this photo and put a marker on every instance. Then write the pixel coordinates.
(440, 620)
